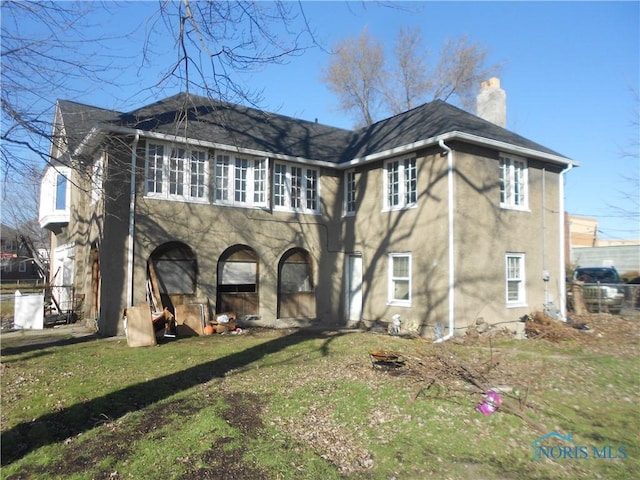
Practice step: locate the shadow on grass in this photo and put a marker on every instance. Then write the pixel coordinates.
(42, 342)
(56, 427)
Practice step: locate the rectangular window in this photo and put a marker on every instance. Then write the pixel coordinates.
(240, 181)
(198, 182)
(513, 183)
(350, 192)
(410, 181)
(22, 268)
(401, 184)
(177, 173)
(295, 188)
(61, 192)
(155, 166)
(400, 279)
(260, 182)
(240, 177)
(222, 178)
(279, 185)
(312, 190)
(515, 279)
(97, 179)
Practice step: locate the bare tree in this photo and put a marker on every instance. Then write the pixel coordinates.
(628, 206)
(40, 54)
(408, 80)
(460, 70)
(357, 76)
(51, 50)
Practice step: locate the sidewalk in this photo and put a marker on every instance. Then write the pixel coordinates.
(74, 330)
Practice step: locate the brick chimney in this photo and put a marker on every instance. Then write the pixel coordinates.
(491, 103)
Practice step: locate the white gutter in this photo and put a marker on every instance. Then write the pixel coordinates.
(452, 275)
(403, 149)
(461, 136)
(132, 206)
(563, 270)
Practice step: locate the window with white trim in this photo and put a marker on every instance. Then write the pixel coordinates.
(240, 181)
(515, 279)
(350, 192)
(177, 173)
(400, 279)
(401, 184)
(55, 196)
(295, 188)
(97, 180)
(513, 182)
(61, 192)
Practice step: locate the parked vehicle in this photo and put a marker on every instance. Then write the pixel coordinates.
(602, 289)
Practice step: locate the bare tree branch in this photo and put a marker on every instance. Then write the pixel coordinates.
(367, 85)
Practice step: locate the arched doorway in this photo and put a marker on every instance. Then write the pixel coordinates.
(173, 273)
(296, 292)
(237, 285)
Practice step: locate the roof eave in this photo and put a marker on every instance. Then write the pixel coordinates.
(464, 137)
(93, 138)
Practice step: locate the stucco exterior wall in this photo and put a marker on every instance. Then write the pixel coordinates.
(485, 233)
(420, 231)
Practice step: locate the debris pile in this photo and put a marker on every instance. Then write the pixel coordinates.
(540, 325)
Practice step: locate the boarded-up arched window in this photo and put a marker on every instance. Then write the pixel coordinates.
(296, 295)
(175, 268)
(237, 284)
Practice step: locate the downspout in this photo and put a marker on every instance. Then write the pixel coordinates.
(563, 271)
(132, 206)
(450, 205)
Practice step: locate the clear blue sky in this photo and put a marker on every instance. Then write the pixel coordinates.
(570, 69)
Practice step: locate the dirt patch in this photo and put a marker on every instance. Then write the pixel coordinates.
(226, 460)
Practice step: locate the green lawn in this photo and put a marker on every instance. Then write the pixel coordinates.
(309, 405)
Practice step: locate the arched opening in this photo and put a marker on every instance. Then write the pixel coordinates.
(237, 286)
(296, 292)
(173, 272)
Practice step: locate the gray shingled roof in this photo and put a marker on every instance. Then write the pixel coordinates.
(80, 119)
(212, 121)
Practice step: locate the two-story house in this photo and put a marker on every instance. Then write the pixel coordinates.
(17, 263)
(434, 214)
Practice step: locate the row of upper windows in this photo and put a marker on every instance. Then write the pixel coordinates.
(183, 174)
(180, 173)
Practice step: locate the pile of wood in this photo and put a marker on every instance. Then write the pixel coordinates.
(540, 325)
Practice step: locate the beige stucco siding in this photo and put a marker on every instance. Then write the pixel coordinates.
(420, 230)
(210, 229)
(485, 233)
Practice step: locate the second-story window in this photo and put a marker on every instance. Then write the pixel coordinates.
(295, 188)
(240, 181)
(177, 173)
(61, 192)
(513, 183)
(350, 192)
(401, 183)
